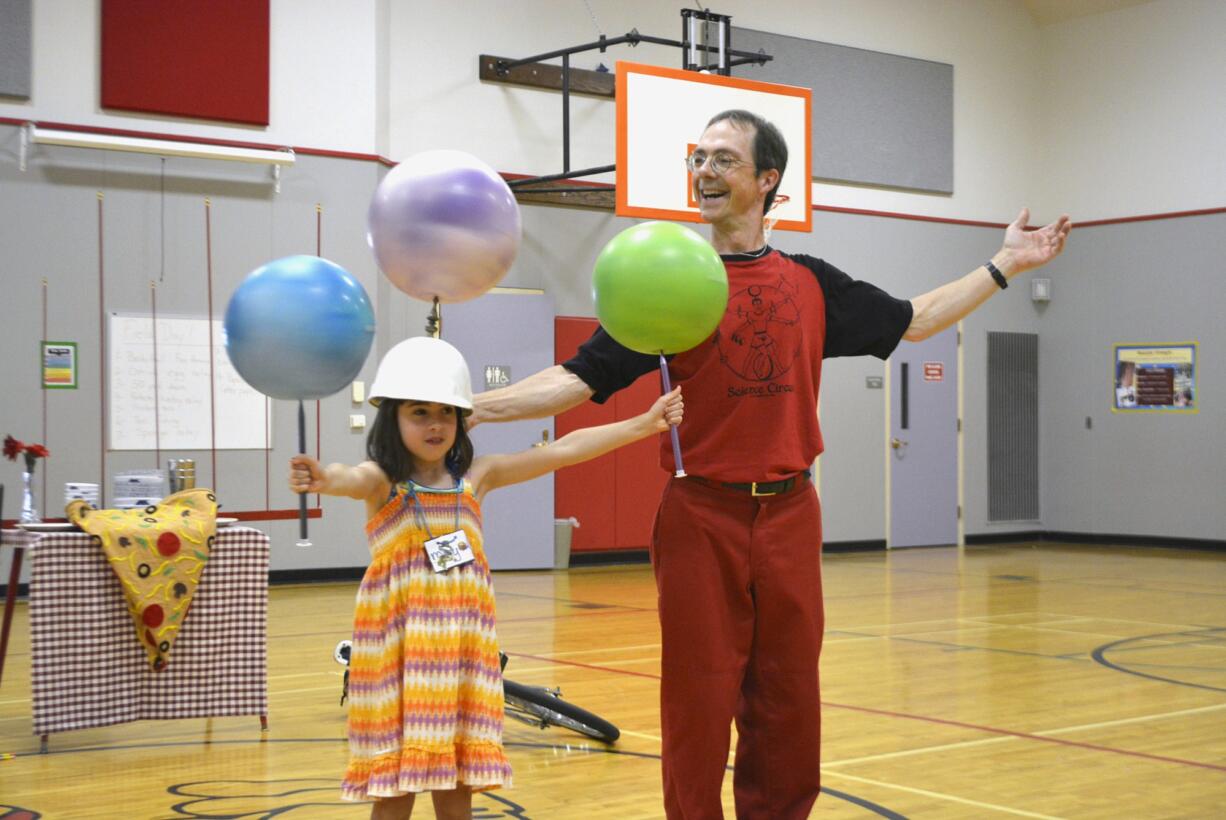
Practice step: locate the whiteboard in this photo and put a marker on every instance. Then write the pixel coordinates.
(185, 409)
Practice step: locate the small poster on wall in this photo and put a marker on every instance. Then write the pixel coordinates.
(1155, 378)
(59, 365)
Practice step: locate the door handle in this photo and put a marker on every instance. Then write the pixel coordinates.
(544, 439)
(898, 443)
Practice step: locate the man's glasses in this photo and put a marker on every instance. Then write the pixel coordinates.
(719, 163)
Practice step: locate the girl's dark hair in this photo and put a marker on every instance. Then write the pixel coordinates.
(385, 448)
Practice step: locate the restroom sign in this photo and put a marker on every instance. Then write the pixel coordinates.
(934, 371)
(497, 375)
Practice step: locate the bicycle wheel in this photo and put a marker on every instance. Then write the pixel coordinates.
(538, 706)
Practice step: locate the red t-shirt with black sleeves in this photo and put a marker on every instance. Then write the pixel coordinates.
(751, 388)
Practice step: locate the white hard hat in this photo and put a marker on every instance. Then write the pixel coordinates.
(424, 369)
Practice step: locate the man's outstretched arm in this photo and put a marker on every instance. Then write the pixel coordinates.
(547, 393)
(1022, 251)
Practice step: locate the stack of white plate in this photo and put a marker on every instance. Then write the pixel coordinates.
(79, 491)
(137, 488)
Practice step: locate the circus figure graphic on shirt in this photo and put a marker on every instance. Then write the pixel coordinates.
(761, 334)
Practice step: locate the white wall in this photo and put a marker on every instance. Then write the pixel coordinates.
(992, 46)
(1134, 111)
(1109, 115)
(322, 78)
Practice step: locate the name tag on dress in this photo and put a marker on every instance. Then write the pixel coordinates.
(450, 550)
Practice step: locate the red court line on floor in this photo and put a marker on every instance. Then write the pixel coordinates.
(942, 721)
(583, 665)
(584, 614)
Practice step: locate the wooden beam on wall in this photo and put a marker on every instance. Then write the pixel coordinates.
(549, 76)
(600, 198)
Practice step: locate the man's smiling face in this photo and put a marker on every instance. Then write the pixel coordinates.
(737, 194)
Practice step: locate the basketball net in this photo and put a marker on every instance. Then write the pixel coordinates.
(768, 221)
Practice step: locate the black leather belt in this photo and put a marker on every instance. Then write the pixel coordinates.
(756, 488)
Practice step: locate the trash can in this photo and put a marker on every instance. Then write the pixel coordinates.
(563, 528)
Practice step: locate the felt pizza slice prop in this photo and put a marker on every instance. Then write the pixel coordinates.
(158, 553)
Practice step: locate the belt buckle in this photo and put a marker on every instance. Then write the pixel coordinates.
(753, 489)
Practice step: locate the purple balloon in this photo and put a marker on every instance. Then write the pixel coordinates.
(443, 224)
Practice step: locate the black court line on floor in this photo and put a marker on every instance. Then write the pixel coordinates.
(964, 647)
(1100, 656)
(868, 805)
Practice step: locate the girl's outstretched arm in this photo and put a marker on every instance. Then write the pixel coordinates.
(490, 472)
(363, 481)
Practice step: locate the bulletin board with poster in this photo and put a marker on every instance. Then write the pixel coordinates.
(1155, 378)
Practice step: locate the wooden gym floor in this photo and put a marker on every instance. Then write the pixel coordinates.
(1025, 680)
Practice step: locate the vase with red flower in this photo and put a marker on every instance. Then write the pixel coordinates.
(30, 453)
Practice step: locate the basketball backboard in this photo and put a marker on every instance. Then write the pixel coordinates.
(661, 112)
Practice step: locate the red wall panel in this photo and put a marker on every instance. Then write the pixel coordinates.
(614, 497)
(639, 479)
(585, 490)
(187, 58)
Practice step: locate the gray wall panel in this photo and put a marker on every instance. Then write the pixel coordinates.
(906, 258)
(1013, 426)
(15, 39)
(1142, 474)
(878, 119)
(1149, 281)
(49, 227)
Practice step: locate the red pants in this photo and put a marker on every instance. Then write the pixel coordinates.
(740, 600)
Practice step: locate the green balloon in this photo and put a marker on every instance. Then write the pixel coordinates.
(659, 287)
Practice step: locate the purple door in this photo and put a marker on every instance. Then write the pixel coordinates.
(924, 442)
(505, 337)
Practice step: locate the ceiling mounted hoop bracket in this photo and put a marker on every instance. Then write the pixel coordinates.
(695, 47)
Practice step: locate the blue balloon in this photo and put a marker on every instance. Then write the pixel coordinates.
(299, 327)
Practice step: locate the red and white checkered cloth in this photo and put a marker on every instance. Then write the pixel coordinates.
(89, 670)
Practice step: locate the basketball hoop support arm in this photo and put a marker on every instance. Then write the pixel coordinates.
(695, 40)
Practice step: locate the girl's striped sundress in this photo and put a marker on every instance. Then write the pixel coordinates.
(425, 683)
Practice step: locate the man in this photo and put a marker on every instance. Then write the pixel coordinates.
(737, 544)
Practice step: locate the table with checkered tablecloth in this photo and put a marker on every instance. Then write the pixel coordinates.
(89, 668)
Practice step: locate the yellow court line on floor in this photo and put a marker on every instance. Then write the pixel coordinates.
(946, 797)
(1036, 628)
(1138, 719)
(279, 692)
(862, 627)
(305, 675)
(643, 735)
(1187, 627)
(967, 744)
(962, 744)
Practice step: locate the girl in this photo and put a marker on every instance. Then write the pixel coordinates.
(424, 676)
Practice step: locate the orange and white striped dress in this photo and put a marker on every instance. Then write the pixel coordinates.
(425, 683)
